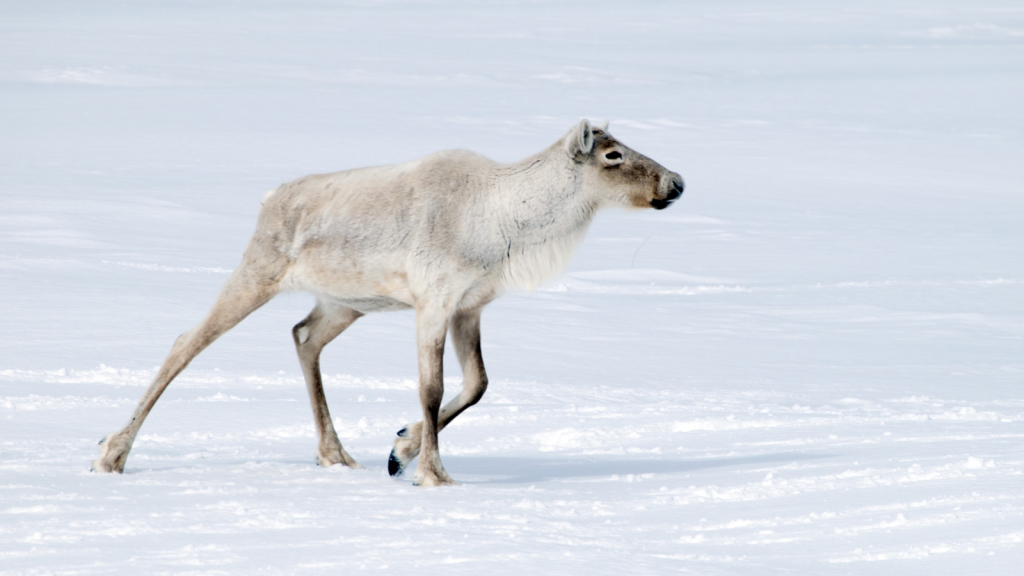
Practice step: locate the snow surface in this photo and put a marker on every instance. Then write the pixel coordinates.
(811, 364)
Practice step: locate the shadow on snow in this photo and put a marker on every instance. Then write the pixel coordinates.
(498, 469)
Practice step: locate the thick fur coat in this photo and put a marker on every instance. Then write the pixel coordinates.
(443, 235)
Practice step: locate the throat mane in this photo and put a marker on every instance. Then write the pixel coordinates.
(546, 218)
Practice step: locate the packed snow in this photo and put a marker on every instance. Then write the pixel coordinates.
(810, 364)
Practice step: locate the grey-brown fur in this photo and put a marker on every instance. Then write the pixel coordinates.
(443, 235)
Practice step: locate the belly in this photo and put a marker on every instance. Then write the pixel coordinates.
(363, 286)
(368, 304)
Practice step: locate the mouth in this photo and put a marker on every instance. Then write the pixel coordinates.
(673, 194)
(659, 204)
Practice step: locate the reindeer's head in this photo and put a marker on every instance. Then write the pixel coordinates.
(618, 174)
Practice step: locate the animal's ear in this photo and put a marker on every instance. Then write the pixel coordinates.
(580, 140)
(602, 126)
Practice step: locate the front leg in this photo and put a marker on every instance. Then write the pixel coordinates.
(465, 330)
(431, 326)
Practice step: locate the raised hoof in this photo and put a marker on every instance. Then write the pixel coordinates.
(395, 466)
(405, 450)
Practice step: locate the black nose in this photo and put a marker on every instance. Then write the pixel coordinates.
(676, 191)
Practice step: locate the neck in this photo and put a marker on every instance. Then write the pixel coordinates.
(546, 215)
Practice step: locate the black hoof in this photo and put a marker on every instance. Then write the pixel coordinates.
(403, 432)
(395, 466)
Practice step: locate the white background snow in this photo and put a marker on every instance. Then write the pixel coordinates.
(811, 364)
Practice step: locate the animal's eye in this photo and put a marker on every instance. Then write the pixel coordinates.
(613, 155)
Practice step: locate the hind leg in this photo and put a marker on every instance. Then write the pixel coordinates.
(245, 291)
(322, 325)
(465, 331)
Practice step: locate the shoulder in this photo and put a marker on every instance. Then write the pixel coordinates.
(453, 166)
(465, 159)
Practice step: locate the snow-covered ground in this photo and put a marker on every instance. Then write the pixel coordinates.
(812, 364)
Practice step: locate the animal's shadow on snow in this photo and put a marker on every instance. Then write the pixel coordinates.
(525, 470)
(505, 470)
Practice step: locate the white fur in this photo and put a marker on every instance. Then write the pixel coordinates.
(445, 234)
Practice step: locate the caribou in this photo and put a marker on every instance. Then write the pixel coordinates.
(443, 235)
